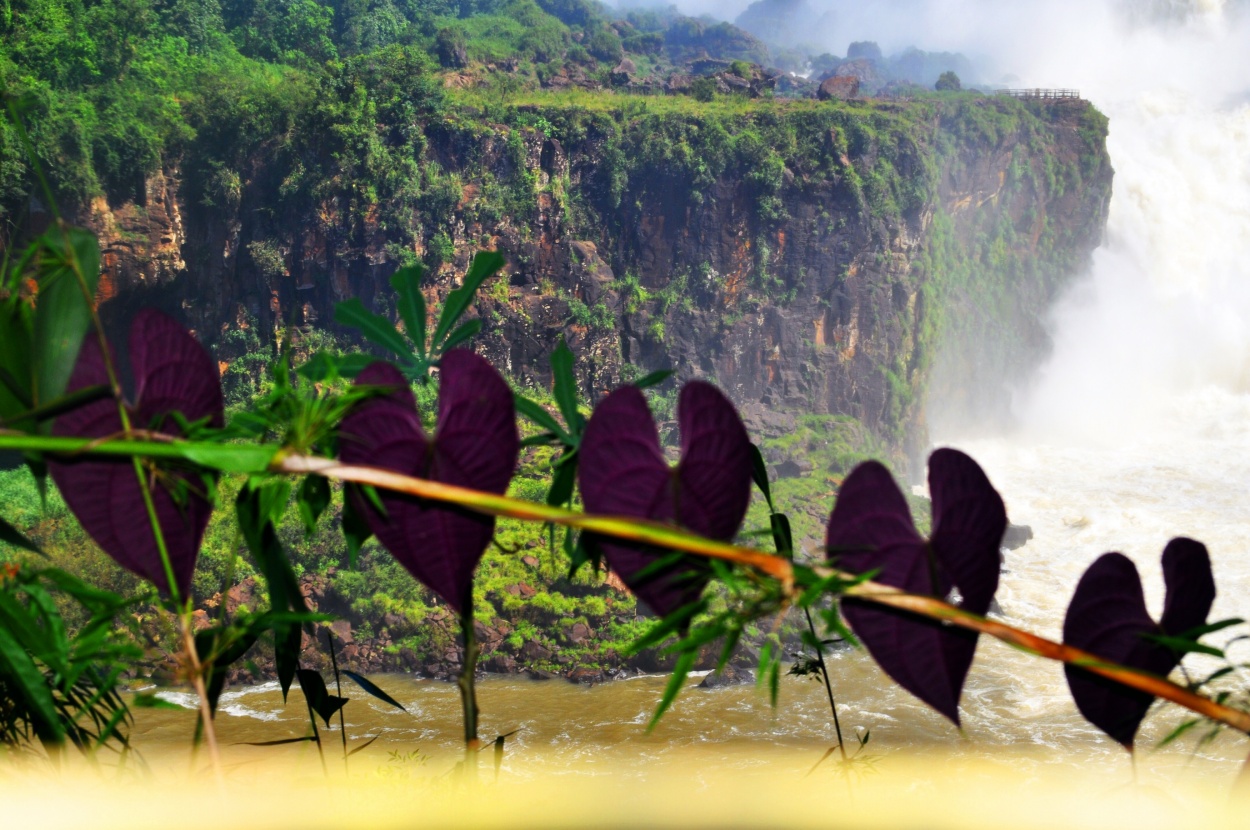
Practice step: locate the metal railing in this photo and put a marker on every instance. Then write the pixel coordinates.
(1045, 94)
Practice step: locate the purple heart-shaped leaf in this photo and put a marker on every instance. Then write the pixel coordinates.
(475, 445)
(173, 373)
(1107, 617)
(871, 529)
(623, 473)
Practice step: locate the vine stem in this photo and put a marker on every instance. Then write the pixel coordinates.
(666, 536)
(468, 688)
(777, 567)
(824, 675)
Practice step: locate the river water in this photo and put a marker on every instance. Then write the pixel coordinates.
(1136, 430)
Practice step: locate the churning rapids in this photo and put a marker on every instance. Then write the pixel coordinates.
(1136, 430)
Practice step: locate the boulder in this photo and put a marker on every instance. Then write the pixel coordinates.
(728, 676)
(1016, 536)
(838, 88)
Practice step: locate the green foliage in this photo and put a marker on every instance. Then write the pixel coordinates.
(948, 81)
(59, 684)
(703, 89)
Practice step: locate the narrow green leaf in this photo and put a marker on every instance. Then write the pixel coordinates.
(759, 472)
(1178, 732)
(16, 357)
(374, 327)
(1183, 646)
(255, 507)
(484, 265)
(462, 334)
(782, 537)
(355, 529)
(1210, 628)
(565, 387)
(411, 305)
(314, 688)
(278, 742)
(562, 484)
(229, 458)
(541, 417)
(312, 500)
(60, 406)
(324, 366)
(368, 685)
(727, 649)
(363, 746)
(685, 662)
(14, 537)
(69, 270)
(669, 625)
(32, 687)
(49, 616)
(653, 378)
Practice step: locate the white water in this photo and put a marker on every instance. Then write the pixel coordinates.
(1137, 429)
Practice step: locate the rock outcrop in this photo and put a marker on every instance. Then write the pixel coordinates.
(880, 258)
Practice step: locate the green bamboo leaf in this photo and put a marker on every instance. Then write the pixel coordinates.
(14, 537)
(50, 617)
(312, 500)
(355, 529)
(366, 684)
(375, 328)
(1178, 732)
(462, 335)
(562, 484)
(363, 746)
(32, 687)
(16, 357)
(319, 698)
(1210, 628)
(541, 417)
(324, 366)
(69, 270)
(782, 537)
(565, 387)
(411, 305)
(685, 662)
(669, 625)
(278, 742)
(229, 458)
(653, 378)
(60, 406)
(759, 472)
(484, 265)
(1182, 646)
(255, 508)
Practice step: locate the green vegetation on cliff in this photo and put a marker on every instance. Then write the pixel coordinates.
(837, 261)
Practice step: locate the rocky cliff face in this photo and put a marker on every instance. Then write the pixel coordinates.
(836, 258)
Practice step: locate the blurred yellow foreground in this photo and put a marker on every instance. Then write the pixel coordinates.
(925, 792)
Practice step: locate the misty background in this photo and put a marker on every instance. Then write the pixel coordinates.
(1164, 313)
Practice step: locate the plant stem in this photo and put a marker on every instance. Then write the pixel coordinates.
(312, 718)
(824, 673)
(196, 669)
(669, 537)
(468, 687)
(338, 690)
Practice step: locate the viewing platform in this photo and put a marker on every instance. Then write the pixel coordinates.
(1043, 94)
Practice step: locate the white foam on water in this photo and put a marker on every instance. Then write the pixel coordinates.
(1137, 428)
